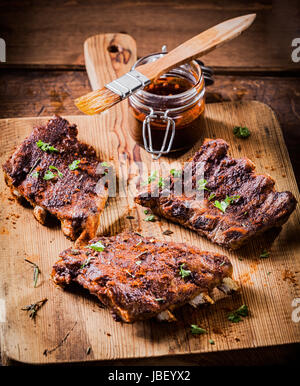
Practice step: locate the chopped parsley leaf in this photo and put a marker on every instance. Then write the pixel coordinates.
(264, 254)
(175, 173)
(49, 175)
(34, 175)
(60, 175)
(197, 330)
(241, 132)
(98, 246)
(150, 179)
(74, 164)
(202, 184)
(45, 146)
(235, 316)
(223, 205)
(211, 196)
(150, 218)
(184, 272)
(161, 183)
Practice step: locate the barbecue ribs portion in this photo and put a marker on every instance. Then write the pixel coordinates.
(236, 203)
(58, 174)
(139, 277)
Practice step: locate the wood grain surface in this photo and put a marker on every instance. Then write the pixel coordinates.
(268, 285)
(51, 33)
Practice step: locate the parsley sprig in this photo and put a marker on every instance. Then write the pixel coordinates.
(49, 175)
(184, 272)
(202, 184)
(235, 316)
(175, 173)
(74, 164)
(150, 179)
(45, 146)
(197, 330)
(223, 205)
(98, 246)
(241, 132)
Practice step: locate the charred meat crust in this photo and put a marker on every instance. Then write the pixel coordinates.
(76, 198)
(259, 207)
(139, 277)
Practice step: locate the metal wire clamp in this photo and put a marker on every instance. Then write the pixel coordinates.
(156, 154)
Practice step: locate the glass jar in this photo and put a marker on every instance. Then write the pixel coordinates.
(169, 111)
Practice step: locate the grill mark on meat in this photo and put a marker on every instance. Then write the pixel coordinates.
(73, 198)
(259, 207)
(131, 290)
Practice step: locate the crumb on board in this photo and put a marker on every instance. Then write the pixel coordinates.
(288, 275)
(245, 278)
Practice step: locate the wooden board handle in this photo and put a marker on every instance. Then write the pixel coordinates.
(108, 56)
(198, 45)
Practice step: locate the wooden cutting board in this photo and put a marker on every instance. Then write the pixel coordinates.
(71, 326)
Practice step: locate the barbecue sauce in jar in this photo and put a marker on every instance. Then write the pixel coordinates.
(177, 99)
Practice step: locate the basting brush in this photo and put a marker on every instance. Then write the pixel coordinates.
(114, 92)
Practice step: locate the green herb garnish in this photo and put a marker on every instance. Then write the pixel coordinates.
(36, 272)
(197, 330)
(211, 196)
(211, 341)
(150, 218)
(161, 183)
(264, 254)
(74, 164)
(235, 316)
(45, 146)
(159, 299)
(150, 179)
(183, 272)
(105, 165)
(86, 262)
(34, 175)
(139, 262)
(34, 166)
(241, 132)
(60, 175)
(175, 173)
(49, 175)
(98, 246)
(223, 205)
(202, 184)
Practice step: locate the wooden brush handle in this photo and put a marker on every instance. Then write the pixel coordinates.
(197, 46)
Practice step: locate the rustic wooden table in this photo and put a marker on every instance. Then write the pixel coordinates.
(44, 71)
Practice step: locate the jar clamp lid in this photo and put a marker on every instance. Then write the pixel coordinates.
(166, 108)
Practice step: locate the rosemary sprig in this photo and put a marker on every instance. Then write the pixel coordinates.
(36, 271)
(34, 307)
(34, 166)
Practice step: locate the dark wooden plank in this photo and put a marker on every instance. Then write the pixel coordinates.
(285, 355)
(52, 32)
(39, 93)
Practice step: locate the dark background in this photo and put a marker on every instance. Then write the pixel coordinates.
(45, 71)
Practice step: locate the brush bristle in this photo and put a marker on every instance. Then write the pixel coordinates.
(97, 101)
